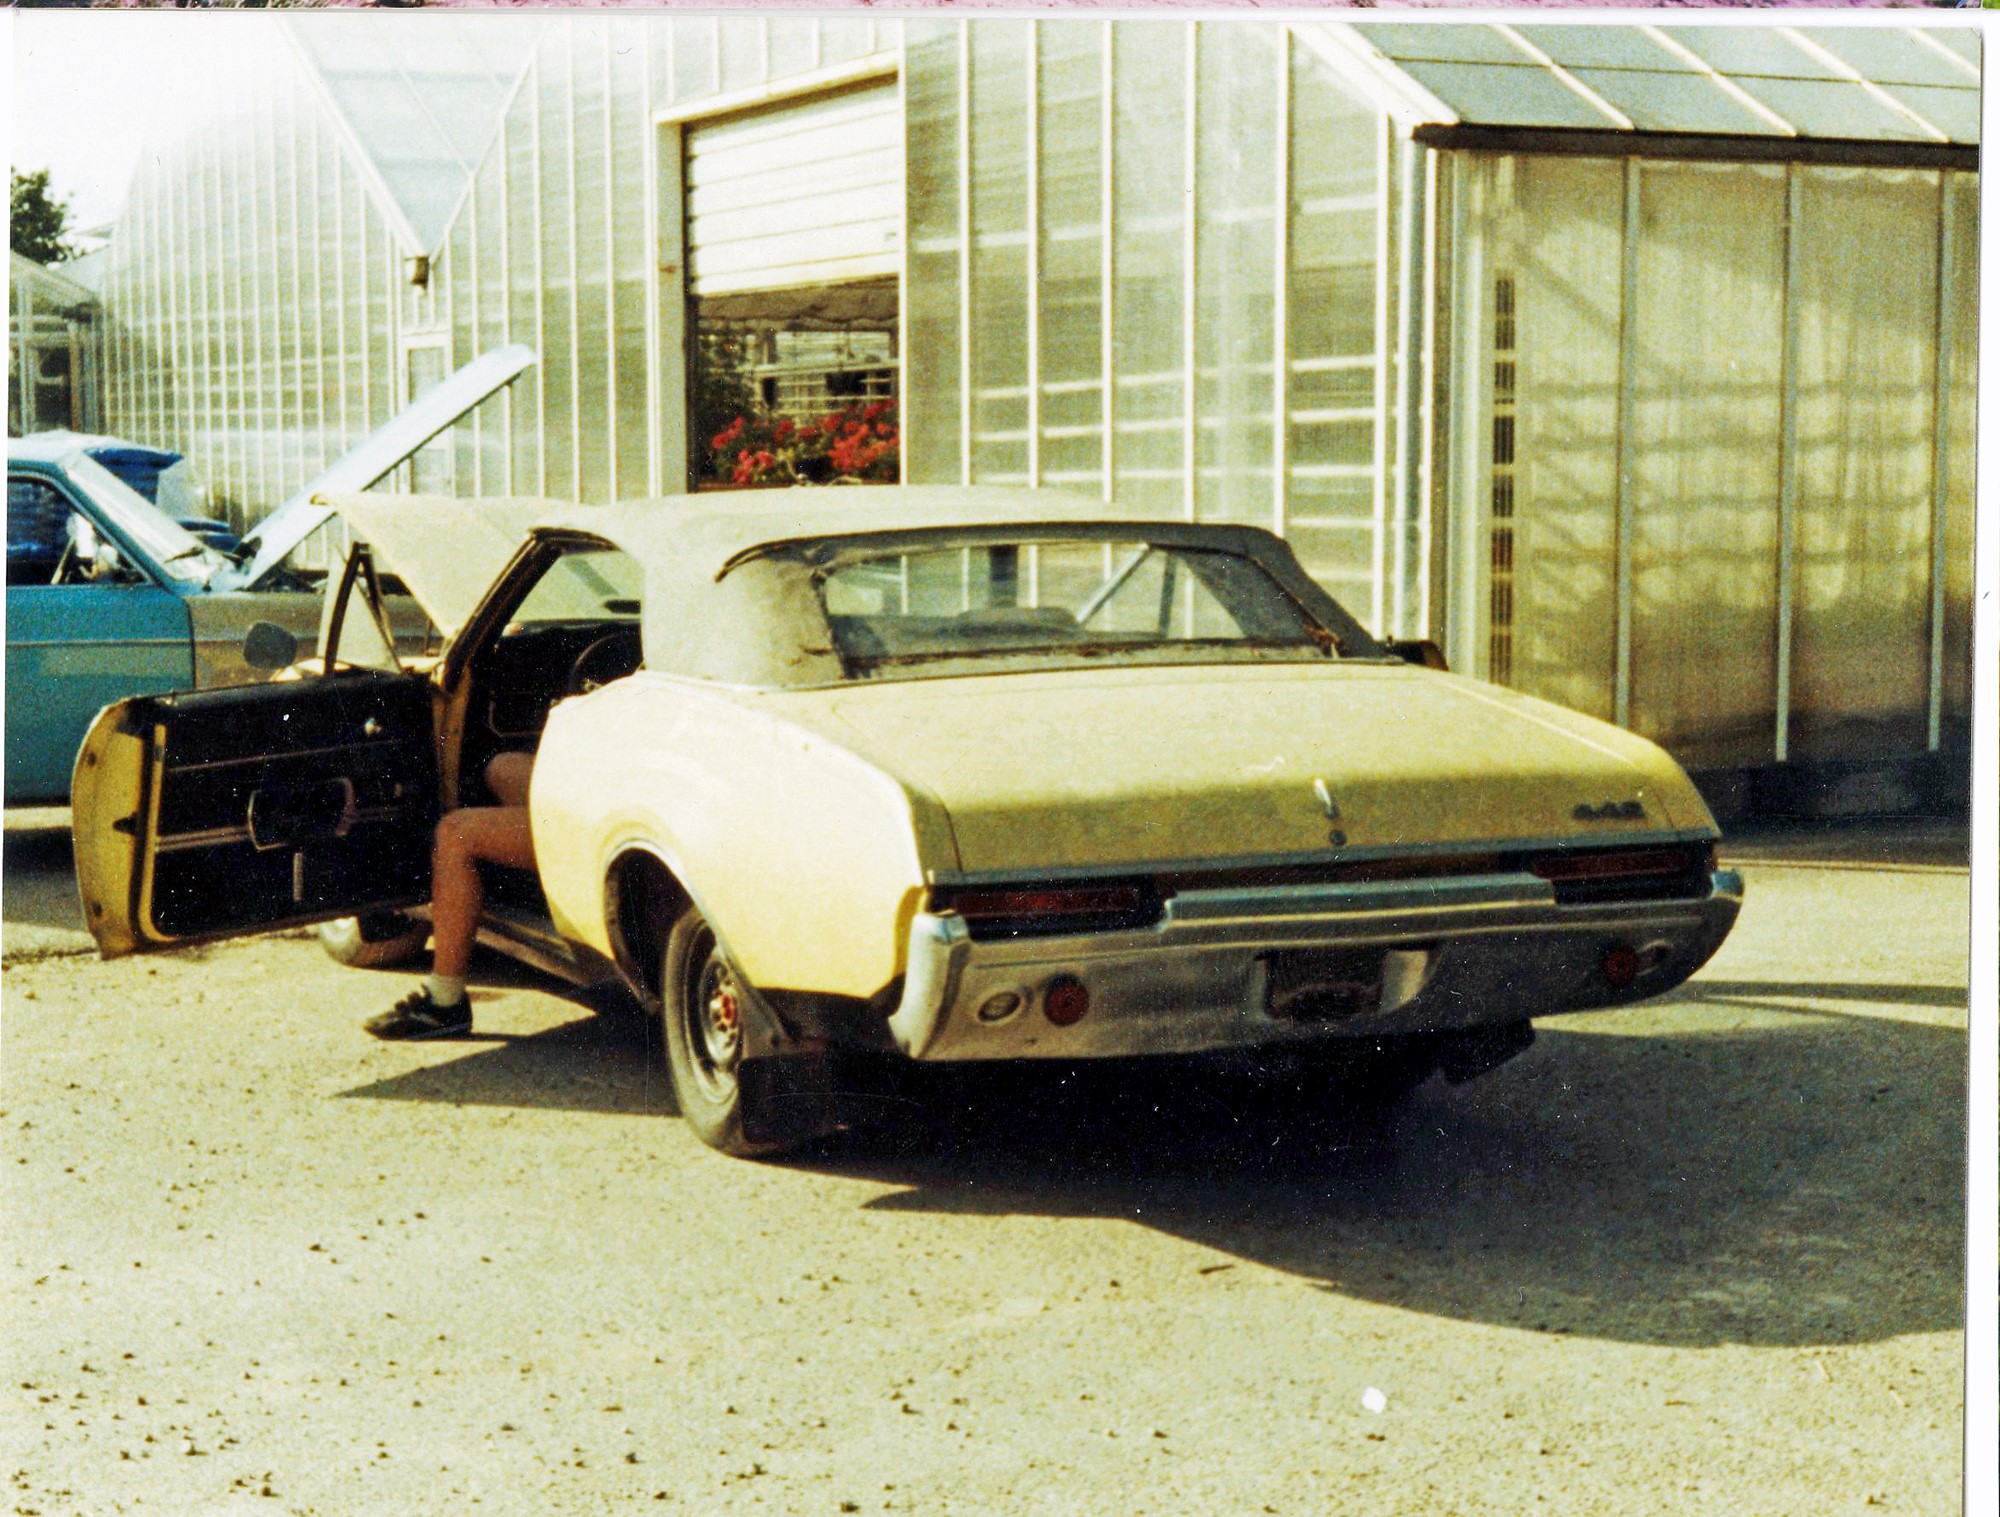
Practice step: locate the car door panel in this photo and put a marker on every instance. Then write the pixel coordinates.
(257, 807)
(71, 650)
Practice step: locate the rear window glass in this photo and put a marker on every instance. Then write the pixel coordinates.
(1059, 603)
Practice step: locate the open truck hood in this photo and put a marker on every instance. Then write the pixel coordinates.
(1114, 768)
(379, 453)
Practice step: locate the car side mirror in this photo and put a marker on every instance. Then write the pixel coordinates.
(269, 646)
(1418, 650)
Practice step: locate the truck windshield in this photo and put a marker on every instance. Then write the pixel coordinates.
(1059, 603)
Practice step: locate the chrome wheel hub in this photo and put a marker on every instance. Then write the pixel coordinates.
(714, 1023)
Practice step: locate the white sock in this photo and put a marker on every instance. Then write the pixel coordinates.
(445, 989)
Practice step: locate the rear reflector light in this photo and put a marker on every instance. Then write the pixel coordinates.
(1095, 900)
(1065, 1001)
(1621, 863)
(1048, 910)
(1619, 965)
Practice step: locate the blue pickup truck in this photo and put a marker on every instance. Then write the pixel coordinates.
(108, 596)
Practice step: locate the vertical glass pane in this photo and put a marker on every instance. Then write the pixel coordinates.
(325, 303)
(490, 283)
(1330, 332)
(1149, 220)
(1705, 442)
(1867, 311)
(1236, 191)
(524, 290)
(1070, 289)
(591, 219)
(1961, 429)
(931, 180)
(558, 276)
(291, 271)
(630, 253)
(1553, 296)
(459, 279)
(999, 89)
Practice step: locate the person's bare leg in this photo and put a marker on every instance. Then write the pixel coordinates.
(507, 777)
(465, 838)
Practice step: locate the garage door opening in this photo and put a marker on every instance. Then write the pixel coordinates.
(794, 235)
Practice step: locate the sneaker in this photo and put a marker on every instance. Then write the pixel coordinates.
(418, 1016)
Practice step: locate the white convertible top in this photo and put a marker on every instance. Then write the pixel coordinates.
(716, 608)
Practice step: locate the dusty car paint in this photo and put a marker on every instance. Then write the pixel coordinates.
(1307, 842)
(808, 858)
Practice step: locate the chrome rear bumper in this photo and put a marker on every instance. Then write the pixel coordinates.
(1462, 952)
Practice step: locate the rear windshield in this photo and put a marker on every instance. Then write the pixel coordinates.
(1059, 603)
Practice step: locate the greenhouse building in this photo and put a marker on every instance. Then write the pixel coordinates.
(1632, 363)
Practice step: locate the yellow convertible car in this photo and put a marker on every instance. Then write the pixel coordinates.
(833, 778)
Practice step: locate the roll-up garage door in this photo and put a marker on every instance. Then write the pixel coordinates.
(805, 194)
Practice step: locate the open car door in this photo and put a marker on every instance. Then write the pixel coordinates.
(214, 813)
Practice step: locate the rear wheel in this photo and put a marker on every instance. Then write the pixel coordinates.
(702, 1007)
(380, 940)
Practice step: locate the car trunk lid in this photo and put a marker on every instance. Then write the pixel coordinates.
(1112, 768)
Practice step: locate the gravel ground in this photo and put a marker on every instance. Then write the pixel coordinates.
(1703, 1256)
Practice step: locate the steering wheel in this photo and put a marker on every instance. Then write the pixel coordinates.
(612, 656)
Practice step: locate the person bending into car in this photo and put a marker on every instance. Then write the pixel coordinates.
(465, 838)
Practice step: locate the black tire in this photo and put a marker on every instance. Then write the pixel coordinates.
(699, 1001)
(385, 940)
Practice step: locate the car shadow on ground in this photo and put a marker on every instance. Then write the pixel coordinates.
(1760, 1174)
(39, 888)
(606, 1060)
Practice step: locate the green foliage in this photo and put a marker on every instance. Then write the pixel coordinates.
(721, 392)
(38, 222)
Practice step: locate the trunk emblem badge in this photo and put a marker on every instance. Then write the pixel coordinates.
(1612, 811)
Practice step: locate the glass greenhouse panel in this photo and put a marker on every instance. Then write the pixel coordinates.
(999, 85)
(1236, 229)
(524, 296)
(1706, 443)
(489, 297)
(1554, 296)
(1335, 193)
(1149, 224)
(932, 184)
(555, 167)
(1867, 324)
(1070, 263)
(631, 254)
(1961, 325)
(590, 222)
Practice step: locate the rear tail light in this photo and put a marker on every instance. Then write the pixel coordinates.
(1041, 910)
(1618, 863)
(1597, 874)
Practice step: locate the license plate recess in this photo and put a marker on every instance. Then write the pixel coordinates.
(1323, 984)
